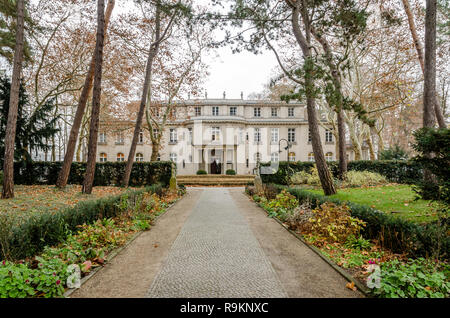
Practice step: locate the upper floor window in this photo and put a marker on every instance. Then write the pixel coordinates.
(257, 111)
(173, 135)
(309, 136)
(141, 137)
(274, 112)
(120, 157)
(311, 156)
(189, 134)
(215, 110)
(139, 157)
(103, 157)
(173, 157)
(291, 134)
(328, 135)
(173, 113)
(198, 111)
(291, 156)
(257, 157)
(257, 136)
(102, 138)
(291, 112)
(274, 135)
(215, 133)
(119, 137)
(233, 111)
(274, 157)
(155, 111)
(329, 156)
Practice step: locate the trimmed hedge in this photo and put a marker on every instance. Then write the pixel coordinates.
(47, 229)
(106, 173)
(399, 171)
(397, 234)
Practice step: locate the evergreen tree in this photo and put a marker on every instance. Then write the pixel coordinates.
(33, 128)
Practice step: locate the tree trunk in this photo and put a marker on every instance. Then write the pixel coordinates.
(153, 51)
(93, 128)
(418, 46)
(155, 151)
(10, 136)
(342, 152)
(74, 131)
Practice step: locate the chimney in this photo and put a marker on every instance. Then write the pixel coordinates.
(224, 95)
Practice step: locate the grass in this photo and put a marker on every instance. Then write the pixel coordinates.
(39, 198)
(396, 199)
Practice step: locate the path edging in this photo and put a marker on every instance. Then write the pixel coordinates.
(116, 252)
(337, 268)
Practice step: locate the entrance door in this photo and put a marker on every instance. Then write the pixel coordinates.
(215, 163)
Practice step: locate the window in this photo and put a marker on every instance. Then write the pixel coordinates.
(173, 135)
(120, 157)
(102, 138)
(328, 135)
(103, 157)
(257, 157)
(291, 134)
(274, 157)
(257, 111)
(215, 110)
(274, 135)
(311, 156)
(198, 111)
(309, 136)
(139, 157)
(119, 137)
(291, 156)
(233, 111)
(141, 137)
(155, 111)
(173, 157)
(274, 112)
(155, 132)
(246, 162)
(190, 134)
(329, 156)
(215, 133)
(291, 112)
(257, 136)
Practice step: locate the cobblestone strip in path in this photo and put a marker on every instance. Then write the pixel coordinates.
(216, 255)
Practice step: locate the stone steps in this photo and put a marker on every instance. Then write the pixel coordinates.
(206, 180)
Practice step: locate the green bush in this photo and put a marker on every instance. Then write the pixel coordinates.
(106, 173)
(437, 142)
(398, 171)
(200, 172)
(393, 153)
(397, 234)
(31, 235)
(230, 172)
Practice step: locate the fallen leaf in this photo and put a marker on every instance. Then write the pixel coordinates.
(351, 286)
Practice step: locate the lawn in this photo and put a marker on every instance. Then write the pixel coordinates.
(39, 198)
(396, 199)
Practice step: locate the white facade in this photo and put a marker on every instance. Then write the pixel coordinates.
(220, 134)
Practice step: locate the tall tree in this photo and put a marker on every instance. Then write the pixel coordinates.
(82, 102)
(8, 165)
(93, 128)
(171, 12)
(429, 89)
(418, 46)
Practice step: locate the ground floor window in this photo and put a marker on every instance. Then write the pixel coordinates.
(103, 157)
(173, 157)
(291, 156)
(274, 157)
(329, 156)
(139, 157)
(120, 157)
(311, 156)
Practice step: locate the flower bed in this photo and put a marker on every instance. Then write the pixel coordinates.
(50, 273)
(336, 233)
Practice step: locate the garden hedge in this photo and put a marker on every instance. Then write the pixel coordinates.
(32, 234)
(399, 171)
(397, 234)
(106, 173)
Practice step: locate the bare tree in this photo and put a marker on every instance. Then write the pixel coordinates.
(8, 166)
(93, 129)
(429, 90)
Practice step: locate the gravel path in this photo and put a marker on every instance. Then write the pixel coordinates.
(216, 255)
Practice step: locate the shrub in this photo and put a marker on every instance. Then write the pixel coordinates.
(300, 177)
(360, 178)
(300, 216)
(283, 204)
(393, 153)
(230, 172)
(106, 173)
(334, 223)
(30, 236)
(201, 172)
